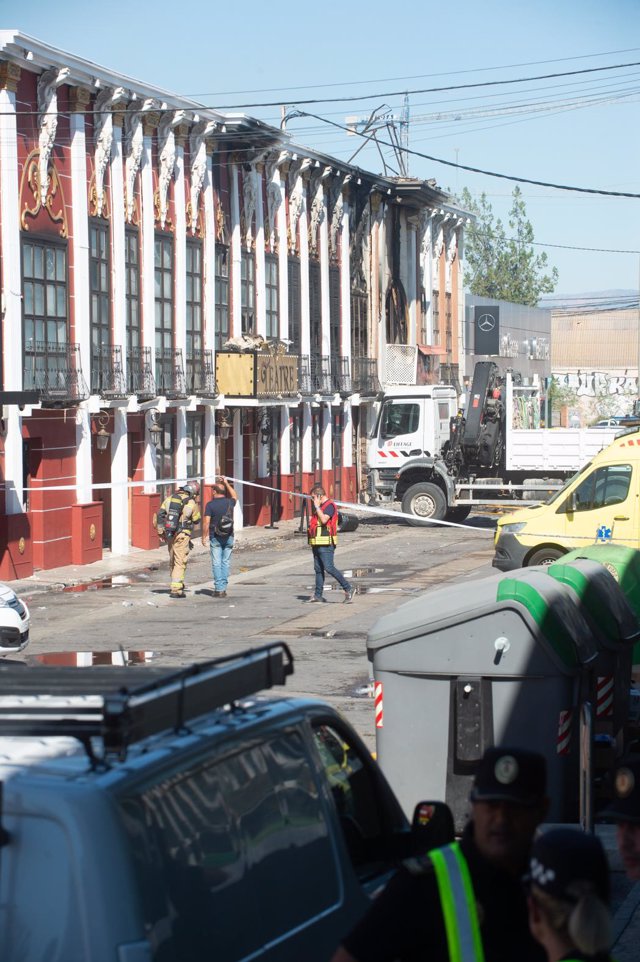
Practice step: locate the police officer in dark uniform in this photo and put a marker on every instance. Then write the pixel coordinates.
(624, 809)
(465, 901)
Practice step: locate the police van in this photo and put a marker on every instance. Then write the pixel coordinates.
(162, 814)
(598, 505)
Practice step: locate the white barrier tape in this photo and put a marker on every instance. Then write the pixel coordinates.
(364, 508)
(209, 480)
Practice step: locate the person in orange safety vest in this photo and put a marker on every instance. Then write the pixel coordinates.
(322, 536)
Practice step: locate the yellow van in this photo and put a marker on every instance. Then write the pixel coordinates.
(598, 505)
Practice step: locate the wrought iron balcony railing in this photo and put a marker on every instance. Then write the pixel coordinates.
(54, 370)
(201, 378)
(365, 375)
(170, 377)
(314, 375)
(141, 381)
(340, 374)
(107, 373)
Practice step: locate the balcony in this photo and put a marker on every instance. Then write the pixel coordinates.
(365, 376)
(340, 375)
(314, 375)
(107, 373)
(141, 381)
(201, 378)
(170, 377)
(54, 370)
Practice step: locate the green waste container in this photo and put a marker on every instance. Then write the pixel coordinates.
(624, 564)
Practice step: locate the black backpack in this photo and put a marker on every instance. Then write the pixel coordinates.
(169, 517)
(224, 525)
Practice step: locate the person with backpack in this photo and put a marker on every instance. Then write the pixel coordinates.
(177, 515)
(322, 536)
(217, 526)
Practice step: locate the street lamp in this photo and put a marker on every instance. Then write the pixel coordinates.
(155, 429)
(224, 425)
(102, 435)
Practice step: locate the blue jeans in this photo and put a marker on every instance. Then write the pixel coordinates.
(220, 549)
(323, 565)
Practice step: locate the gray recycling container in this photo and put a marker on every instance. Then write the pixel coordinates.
(494, 661)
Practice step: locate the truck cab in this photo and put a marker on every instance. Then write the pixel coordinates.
(413, 422)
(598, 505)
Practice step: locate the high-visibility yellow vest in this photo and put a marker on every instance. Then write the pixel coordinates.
(457, 898)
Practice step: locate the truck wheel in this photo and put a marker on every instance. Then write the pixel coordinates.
(459, 513)
(424, 501)
(347, 522)
(545, 556)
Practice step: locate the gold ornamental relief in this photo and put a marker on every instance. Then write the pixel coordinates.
(92, 532)
(22, 544)
(221, 225)
(154, 520)
(197, 229)
(92, 198)
(54, 204)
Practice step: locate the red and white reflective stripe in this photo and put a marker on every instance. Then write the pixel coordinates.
(377, 694)
(389, 454)
(564, 732)
(604, 696)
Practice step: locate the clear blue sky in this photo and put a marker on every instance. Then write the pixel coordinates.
(229, 54)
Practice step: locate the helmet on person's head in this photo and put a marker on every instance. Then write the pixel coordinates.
(192, 488)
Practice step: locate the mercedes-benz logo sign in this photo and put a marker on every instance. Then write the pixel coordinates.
(486, 322)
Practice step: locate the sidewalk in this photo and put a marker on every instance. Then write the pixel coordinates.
(55, 579)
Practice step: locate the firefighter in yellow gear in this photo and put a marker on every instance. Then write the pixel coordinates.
(180, 543)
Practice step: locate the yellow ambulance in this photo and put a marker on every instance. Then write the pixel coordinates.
(598, 505)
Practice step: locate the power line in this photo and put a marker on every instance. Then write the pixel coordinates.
(442, 73)
(431, 90)
(479, 170)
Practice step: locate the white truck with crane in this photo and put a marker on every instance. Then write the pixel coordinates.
(439, 462)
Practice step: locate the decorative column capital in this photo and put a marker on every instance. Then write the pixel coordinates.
(79, 99)
(150, 122)
(9, 75)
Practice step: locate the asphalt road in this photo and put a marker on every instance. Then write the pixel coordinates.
(272, 577)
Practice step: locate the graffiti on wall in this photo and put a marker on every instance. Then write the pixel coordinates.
(598, 383)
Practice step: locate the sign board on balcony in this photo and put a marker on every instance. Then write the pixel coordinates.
(235, 373)
(277, 375)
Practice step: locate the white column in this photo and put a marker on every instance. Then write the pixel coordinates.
(119, 453)
(181, 442)
(236, 255)
(306, 436)
(261, 311)
(81, 306)
(119, 476)
(327, 427)
(324, 279)
(237, 468)
(209, 249)
(11, 293)
(180, 288)
(305, 311)
(209, 440)
(147, 281)
(180, 255)
(283, 263)
(345, 283)
(411, 270)
(285, 440)
(347, 435)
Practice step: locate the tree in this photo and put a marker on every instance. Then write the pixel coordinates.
(504, 267)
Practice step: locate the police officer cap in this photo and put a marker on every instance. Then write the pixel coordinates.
(510, 775)
(625, 805)
(566, 863)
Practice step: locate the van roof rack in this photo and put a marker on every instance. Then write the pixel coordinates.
(122, 706)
